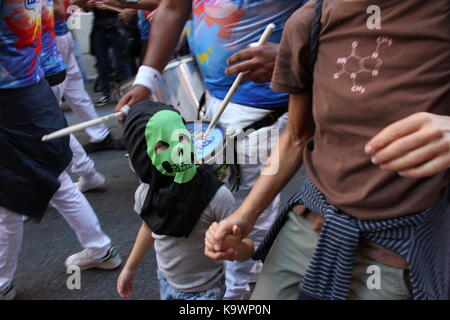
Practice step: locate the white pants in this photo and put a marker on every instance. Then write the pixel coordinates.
(239, 275)
(81, 164)
(73, 90)
(75, 209)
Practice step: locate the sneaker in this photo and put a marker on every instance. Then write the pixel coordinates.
(81, 259)
(106, 144)
(90, 182)
(102, 101)
(9, 293)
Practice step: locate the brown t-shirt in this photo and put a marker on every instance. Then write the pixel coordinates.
(365, 80)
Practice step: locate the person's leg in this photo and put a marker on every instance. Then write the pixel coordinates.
(100, 43)
(373, 280)
(287, 260)
(74, 91)
(77, 211)
(83, 166)
(240, 275)
(11, 232)
(80, 60)
(81, 103)
(122, 60)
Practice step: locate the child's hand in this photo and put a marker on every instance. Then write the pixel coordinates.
(125, 282)
(233, 247)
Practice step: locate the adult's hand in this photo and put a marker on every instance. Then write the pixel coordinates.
(257, 62)
(215, 246)
(136, 94)
(417, 146)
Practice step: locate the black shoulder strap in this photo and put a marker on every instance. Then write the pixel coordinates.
(314, 35)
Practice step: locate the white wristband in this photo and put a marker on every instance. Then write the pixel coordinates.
(148, 77)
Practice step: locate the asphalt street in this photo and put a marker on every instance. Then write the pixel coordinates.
(41, 273)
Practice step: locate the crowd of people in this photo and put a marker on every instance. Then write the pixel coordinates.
(365, 109)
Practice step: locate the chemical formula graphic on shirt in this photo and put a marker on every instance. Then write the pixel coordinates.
(353, 65)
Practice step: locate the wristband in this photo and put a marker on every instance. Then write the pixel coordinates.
(148, 77)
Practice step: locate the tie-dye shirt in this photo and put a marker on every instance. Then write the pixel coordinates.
(143, 24)
(20, 43)
(219, 28)
(51, 60)
(61, 27)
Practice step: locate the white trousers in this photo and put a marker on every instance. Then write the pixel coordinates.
(239, 275)
(75, 209)
(81, 164)
(74, 92)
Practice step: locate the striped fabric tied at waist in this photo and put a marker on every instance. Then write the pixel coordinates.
(422, 238)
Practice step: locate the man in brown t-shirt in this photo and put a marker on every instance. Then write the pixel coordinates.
(380, 117)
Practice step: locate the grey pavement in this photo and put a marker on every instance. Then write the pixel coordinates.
(41, 273)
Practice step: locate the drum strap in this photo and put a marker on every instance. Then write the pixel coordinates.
(267, 120)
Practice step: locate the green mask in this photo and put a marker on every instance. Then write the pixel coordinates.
(178, 159)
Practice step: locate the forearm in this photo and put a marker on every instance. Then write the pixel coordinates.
(143, 5)
(285, 160)
(80, 3)
(144, 241)
(59, 9)
(167, 26)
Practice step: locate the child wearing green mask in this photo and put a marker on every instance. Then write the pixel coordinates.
(177, 201)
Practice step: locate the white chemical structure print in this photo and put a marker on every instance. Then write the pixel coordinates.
(354, 64)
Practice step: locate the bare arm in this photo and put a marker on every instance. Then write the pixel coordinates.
(287, 158)
(142, 244)
(167, 25)
(144, 241)
(59, 9)
(142, 4)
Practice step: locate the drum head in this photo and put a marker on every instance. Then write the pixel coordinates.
(206, 149)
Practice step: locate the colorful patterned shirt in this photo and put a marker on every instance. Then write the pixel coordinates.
(20, 43)
(219, 28)
(51, 60)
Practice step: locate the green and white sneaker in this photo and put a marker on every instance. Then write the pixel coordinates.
(9, 293)
(81, 259)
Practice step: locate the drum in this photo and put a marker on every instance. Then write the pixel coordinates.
(211, 153)
(182, 86)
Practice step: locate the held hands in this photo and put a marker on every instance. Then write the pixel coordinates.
(416, 147)
(222, 243)
(257, 62)
(125, 282)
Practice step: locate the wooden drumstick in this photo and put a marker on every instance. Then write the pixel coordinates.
(83, 125)
(267, 33)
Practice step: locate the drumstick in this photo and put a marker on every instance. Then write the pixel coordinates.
(237, 82)
(86, 124)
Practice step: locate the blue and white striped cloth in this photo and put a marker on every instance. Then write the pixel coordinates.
(422, 238)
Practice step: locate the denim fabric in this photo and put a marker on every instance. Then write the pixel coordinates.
(168, 292)
(104, 36)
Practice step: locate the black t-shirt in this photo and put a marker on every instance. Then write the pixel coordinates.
(104, 14)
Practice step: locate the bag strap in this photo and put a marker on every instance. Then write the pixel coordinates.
(267, 120)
